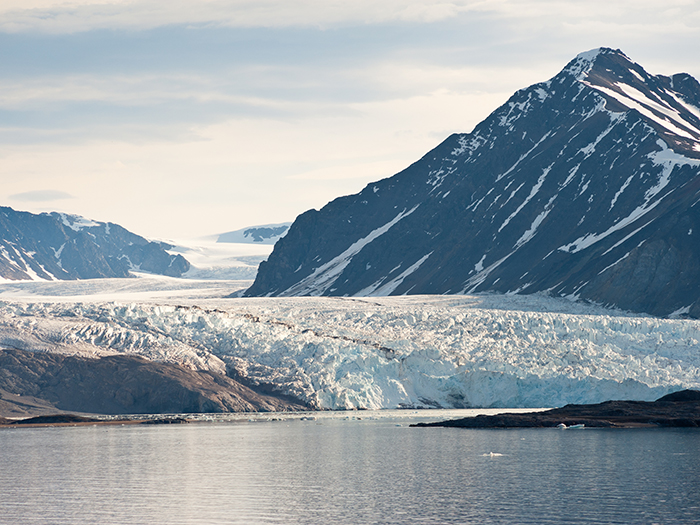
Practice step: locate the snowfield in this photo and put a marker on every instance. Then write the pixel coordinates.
(386, 352)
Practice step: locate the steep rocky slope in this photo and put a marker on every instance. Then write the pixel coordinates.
(585, 185)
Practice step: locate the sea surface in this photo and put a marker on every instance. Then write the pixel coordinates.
(338, 468)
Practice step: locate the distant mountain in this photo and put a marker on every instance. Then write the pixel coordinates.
(264, 234)
(583, 186)
(54, 245)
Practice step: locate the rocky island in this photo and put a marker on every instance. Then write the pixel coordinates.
(679, 409)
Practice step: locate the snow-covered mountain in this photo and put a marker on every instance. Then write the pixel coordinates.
(585, 186)
(52, 246)
(262, 234)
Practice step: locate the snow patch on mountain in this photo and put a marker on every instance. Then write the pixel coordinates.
(77, 223)
(669, 158)
(649, 109)
(323, 277)
(666, 158)
(583, 63)
(379, 289)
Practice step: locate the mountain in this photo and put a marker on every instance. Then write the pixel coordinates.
(264, 234)
(582, 186)
(52, 246)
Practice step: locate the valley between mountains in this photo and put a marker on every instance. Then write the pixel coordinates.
(548, 257)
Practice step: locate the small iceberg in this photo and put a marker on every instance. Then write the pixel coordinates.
(563, 426)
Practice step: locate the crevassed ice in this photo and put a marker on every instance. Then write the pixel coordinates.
(390, 351)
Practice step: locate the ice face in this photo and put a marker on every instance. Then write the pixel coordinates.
(336, 353)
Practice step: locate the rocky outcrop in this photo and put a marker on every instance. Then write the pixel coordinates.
(679, 409)
(120, 384)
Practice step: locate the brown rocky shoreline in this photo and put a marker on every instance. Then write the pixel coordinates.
(679, 409)
(43, 383)
(73, 420)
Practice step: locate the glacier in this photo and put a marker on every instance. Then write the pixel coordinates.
(381, 352)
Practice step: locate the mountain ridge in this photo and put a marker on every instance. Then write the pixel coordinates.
(58, 246)
(564, 189)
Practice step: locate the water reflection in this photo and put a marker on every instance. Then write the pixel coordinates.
(338, 471)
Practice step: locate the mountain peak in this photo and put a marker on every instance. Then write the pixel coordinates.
(585, 186)
(582, 64)
(668, 104)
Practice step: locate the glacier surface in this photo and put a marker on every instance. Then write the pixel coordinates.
(386, 352)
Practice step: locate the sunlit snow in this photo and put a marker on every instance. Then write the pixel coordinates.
(324, 276)
(451, 351)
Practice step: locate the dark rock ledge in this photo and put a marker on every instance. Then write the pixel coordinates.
(679, 409)
(73, 420)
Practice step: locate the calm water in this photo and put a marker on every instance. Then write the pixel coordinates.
(346, 471)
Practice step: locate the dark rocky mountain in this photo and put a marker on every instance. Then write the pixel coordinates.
(59, 246)
(583, 186)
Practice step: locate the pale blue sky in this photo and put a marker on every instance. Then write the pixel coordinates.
(180, 119)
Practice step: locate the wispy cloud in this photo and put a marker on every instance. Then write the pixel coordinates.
(57, 16)
(41, 196)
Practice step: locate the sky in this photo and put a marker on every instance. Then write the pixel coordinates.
(186, 118)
